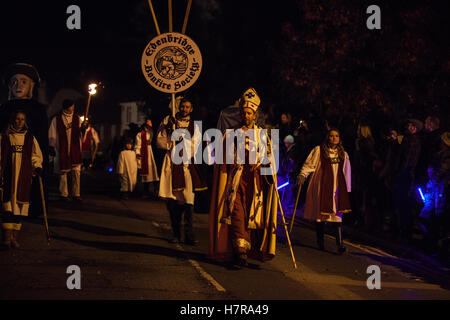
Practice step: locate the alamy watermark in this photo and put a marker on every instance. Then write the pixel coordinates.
(228, 147)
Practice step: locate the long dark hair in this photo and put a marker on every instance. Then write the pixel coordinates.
(325, 146)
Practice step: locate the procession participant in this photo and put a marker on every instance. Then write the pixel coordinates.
(243, 209)
(89, 144)
(65, 138)
(146, 161)
(20, 158)
(127, 168)
(22, 79)
(327, 196)
(179, 181)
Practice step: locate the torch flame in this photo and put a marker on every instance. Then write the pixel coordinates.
(92, 88)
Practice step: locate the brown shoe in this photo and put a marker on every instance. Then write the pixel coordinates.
(7, 235)
(14, 238)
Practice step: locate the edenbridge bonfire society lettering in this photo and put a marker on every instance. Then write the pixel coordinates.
(171, 62)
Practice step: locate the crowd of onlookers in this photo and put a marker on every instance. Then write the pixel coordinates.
(400, 173)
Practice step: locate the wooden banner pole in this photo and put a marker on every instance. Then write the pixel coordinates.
(186, 16)
(154, 17)
(170, 16)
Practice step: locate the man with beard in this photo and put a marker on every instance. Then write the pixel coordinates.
(22, 79)
(179, 181)
(243, 208)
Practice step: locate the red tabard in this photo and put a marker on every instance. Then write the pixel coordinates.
(327, 184)
(86, 146)
(144, 153)
(66, 160)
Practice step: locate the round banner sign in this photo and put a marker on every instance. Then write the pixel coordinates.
(171, 62)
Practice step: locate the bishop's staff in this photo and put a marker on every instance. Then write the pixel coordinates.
(281, 211)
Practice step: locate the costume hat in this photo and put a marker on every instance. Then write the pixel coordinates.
(250, 99)
(22, 68)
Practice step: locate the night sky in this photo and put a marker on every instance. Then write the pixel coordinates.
(241, 44)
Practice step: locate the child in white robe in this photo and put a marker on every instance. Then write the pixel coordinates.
(127, 169)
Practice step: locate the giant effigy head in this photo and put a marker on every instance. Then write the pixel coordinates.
(21, 79)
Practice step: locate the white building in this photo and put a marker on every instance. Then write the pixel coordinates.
(131, 112)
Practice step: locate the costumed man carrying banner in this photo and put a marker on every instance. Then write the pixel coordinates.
(145, 158)
(20, 159)
(65, 137)
(22, 80)
(89, 144)
(244, 203)
(179, 181)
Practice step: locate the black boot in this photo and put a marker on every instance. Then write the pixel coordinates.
(189, 237)
(320, 234)
(339, 242)
(175, 220)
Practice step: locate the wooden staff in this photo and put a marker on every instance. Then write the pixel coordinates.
(45, 210)
(186, 16)
(281, 211)
(285, 227)
(154, 17)
(87, 107)
(295, 209)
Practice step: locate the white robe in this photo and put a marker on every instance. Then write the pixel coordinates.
(53, 139)
(165, 186)
(94, 138)
(18, 139)
(127, 168)
(152, 169)
(312, 165)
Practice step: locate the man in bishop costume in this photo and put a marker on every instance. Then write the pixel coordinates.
(243, 209)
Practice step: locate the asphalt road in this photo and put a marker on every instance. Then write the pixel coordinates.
(122, 252)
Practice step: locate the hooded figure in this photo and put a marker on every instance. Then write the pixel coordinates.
(243, 209)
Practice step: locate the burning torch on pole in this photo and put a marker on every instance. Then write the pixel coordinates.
(92, 91)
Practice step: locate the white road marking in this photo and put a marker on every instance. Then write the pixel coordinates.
(203, 273)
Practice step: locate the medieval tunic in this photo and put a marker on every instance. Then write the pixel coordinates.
(90, 139)
(313, 164)
(183, 194)
(18, 200)
(127, 169)
(71, 162)
(147, 164)
(243, 209)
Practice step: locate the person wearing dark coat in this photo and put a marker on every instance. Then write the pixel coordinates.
(406, 176)
(21, 79)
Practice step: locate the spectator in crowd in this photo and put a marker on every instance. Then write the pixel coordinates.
(363, 160)
(430, 148)
(405, 181)
(432, 212)
(285, 125)
(386, 175)
(287, 164)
